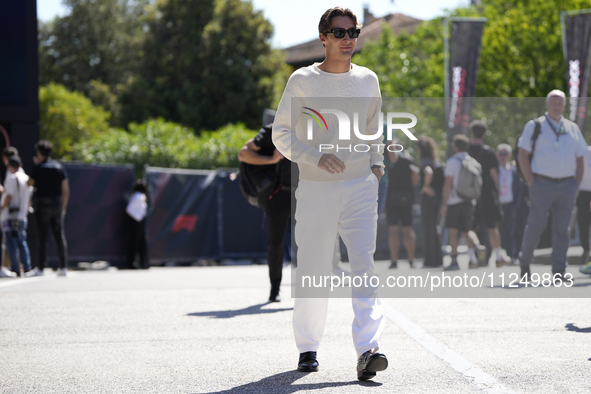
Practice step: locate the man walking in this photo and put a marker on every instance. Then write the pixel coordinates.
(337, 192)
(458, 212)
(50, 201)
(488, 211)
(553, 174)
(261, 151)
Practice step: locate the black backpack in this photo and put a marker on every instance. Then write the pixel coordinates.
(534, 139)
(258, 183)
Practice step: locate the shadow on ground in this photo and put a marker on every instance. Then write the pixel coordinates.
(283, 383)
(251, 310)
(572, 327)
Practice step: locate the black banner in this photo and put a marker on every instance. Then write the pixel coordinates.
(95, 223)
(196, 214)
(464, 55)
(578, 62)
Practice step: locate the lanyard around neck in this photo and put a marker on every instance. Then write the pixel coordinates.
(560, 131)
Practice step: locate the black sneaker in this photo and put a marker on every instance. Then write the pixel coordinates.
(393, 264)
(369, 363)
(274, 296)
(308, 362)
(452, 267)
(562, 279)
(525, 274)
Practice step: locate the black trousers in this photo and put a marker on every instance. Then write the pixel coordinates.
(430, 207)
(278, 211)
(138, 243)
(584, 217)
(48, 215)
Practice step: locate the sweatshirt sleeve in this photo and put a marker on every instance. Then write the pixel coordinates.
(286, 119)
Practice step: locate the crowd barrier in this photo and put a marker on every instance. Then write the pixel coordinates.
(193, 214)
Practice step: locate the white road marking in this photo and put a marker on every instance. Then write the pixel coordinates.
(7, 282)
(21, 281)
(470, 371)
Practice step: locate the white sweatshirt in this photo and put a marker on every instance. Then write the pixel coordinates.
(309, 88)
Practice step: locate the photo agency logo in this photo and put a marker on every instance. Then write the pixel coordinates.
(344, 132)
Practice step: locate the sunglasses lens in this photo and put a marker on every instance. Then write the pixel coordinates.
(339, 33)
(353, 33)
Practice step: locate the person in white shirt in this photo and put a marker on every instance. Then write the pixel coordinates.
(137, 209)
(553, 177)
(337, 189)
(6, 153)
(15, 207)
(459, 213)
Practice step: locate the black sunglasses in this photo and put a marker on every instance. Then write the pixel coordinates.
(339, 32)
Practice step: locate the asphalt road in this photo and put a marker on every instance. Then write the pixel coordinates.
(210, 330)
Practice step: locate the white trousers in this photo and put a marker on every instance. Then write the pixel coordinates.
(323, 209)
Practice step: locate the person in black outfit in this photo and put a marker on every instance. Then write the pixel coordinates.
(403, 174)
(488, 209)
(261, 151)
(431, 185)
(52, 192)
(138, 243)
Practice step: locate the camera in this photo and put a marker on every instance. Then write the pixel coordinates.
(14, 225)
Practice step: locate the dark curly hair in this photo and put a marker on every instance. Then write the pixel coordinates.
(326, 19)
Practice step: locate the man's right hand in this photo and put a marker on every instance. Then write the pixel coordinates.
(331, 164)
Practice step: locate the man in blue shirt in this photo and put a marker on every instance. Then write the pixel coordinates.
(553, 177)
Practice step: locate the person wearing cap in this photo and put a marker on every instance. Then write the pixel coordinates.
(14, 208)
(553, 177)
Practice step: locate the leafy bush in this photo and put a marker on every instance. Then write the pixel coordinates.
(67, 118)
(164, 144)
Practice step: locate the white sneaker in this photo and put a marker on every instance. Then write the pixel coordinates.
(62, 272)
(34, 272)
(6, 273)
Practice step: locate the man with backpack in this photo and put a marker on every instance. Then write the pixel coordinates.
(463, 185)
(552, 165)
(488, 211)
(260, 151)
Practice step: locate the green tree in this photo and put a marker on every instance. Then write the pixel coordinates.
(98, 40)
(206, 63)
(165, 144)
(409, 64)
(521, 52)
(67, 118)
(521, 56)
